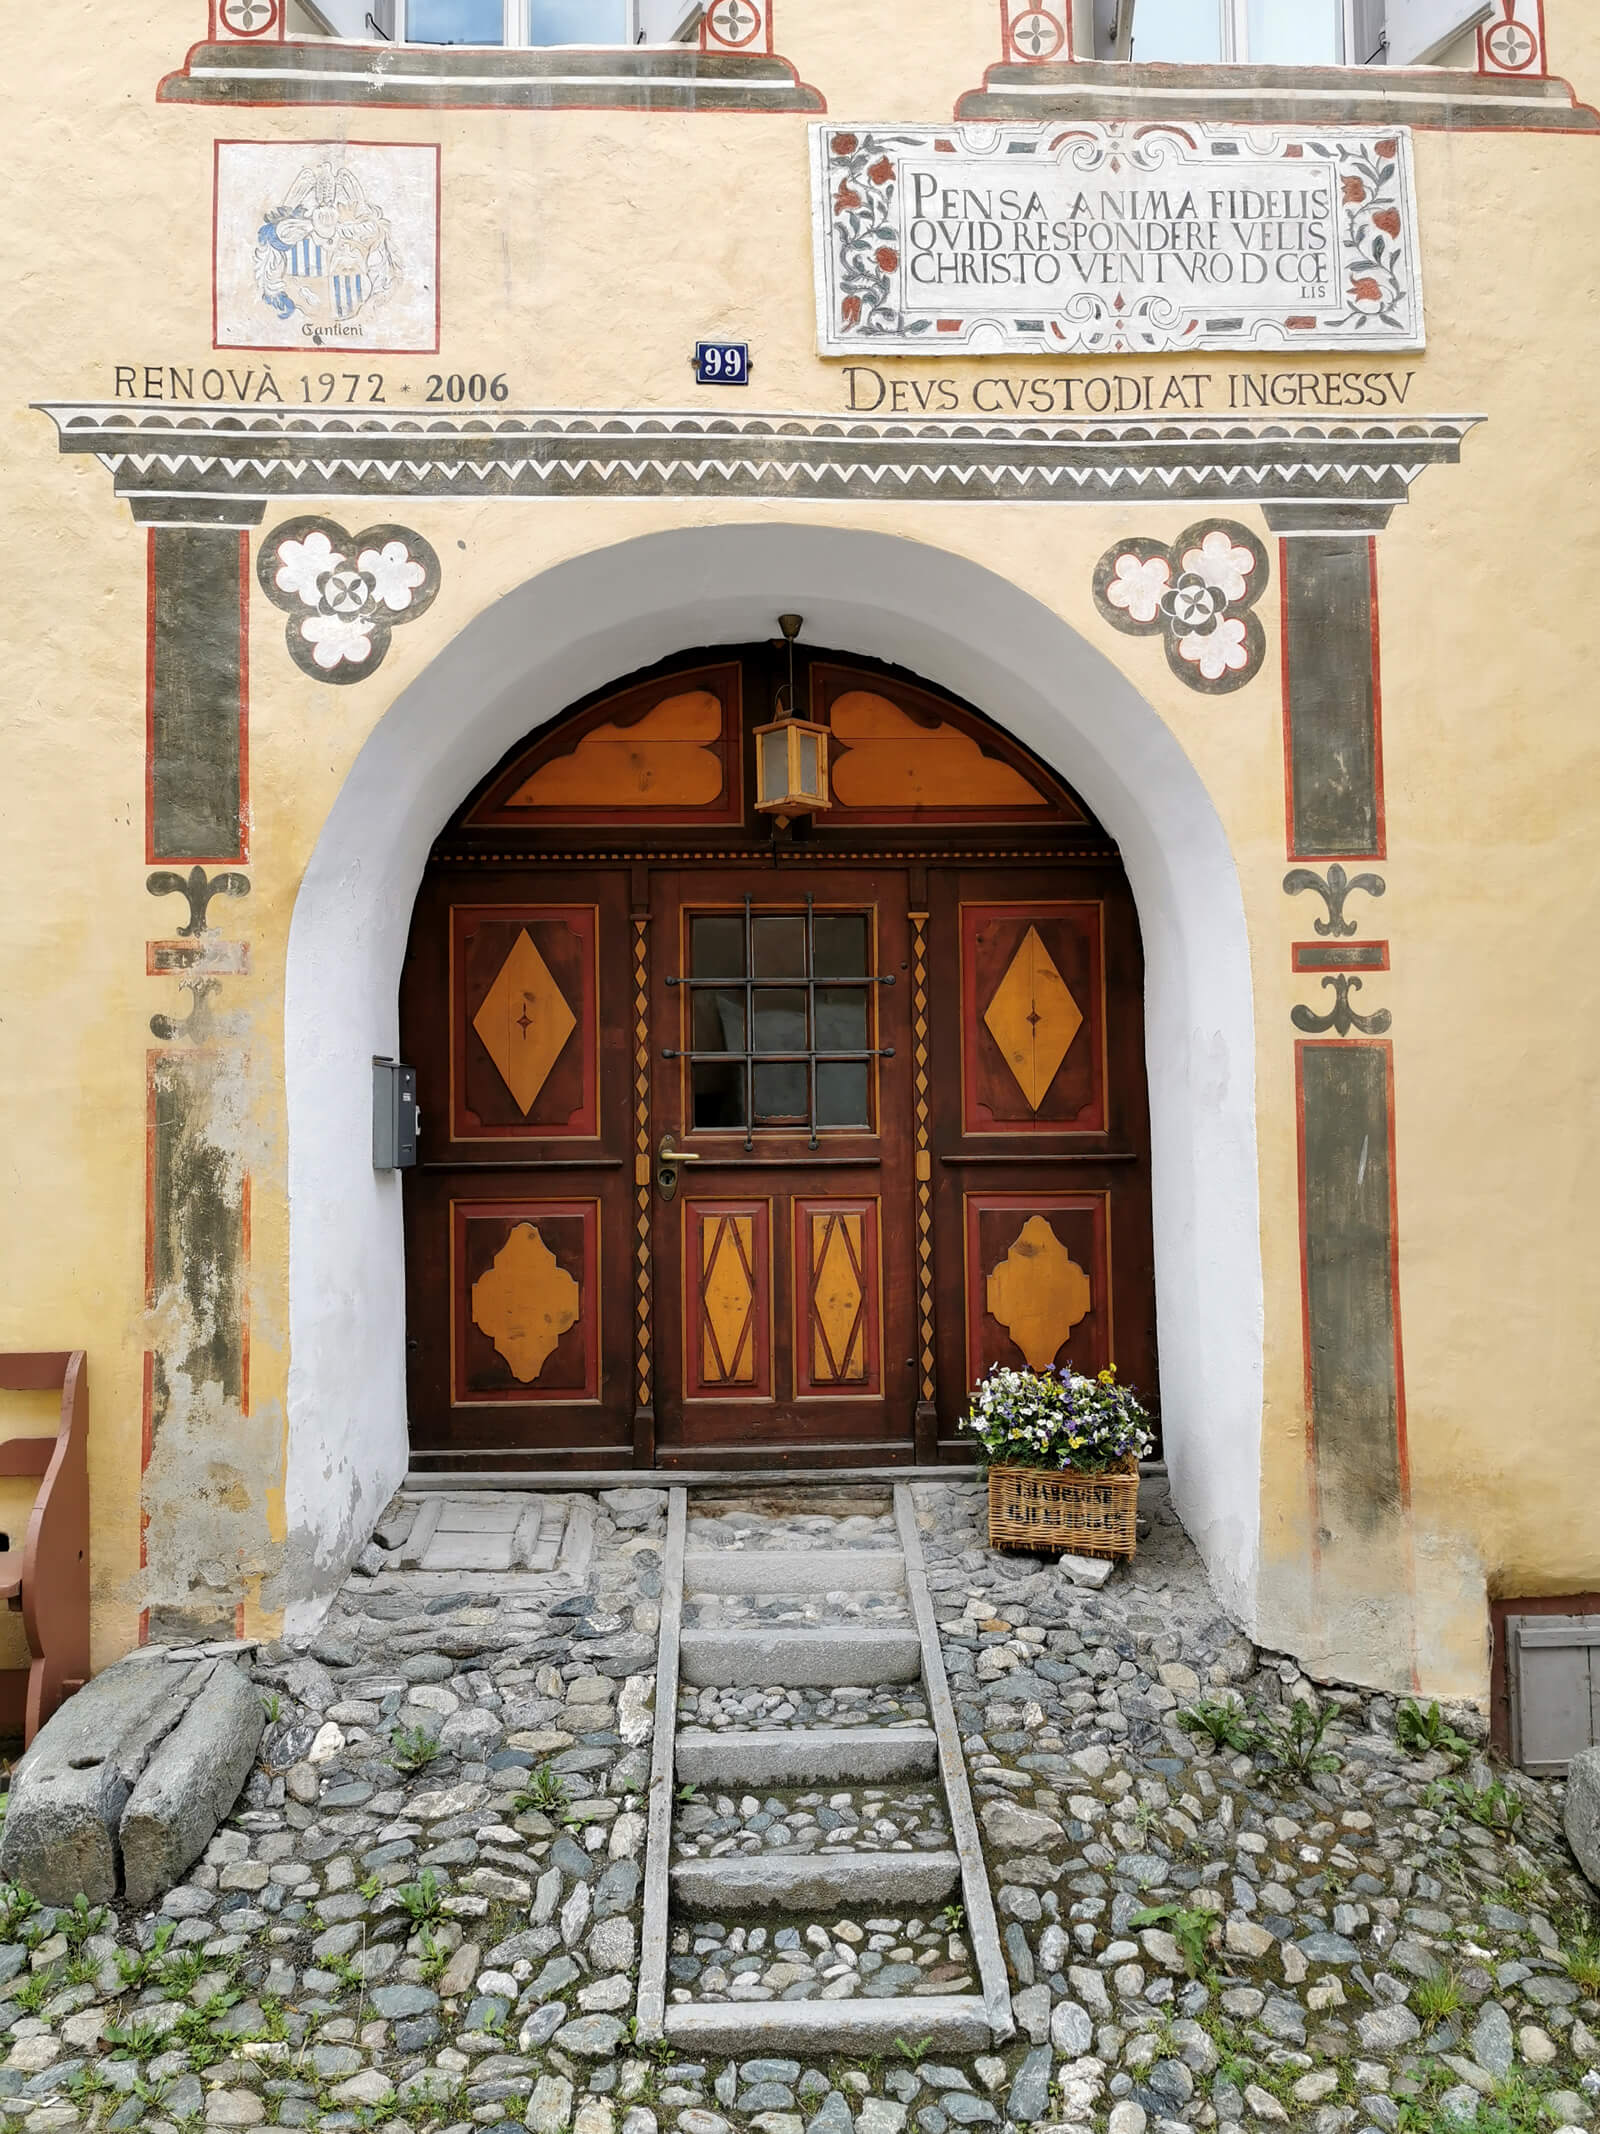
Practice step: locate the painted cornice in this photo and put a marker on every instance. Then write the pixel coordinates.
(221, 466)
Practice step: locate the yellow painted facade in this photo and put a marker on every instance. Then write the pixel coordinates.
(582, 252)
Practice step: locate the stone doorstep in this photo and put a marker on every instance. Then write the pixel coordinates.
(829, 1656)
(793, 1571)
(950, 2023)
(805, 1756)
(779, 1882)
(482, 1513)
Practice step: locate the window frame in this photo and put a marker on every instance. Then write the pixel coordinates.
(514, 32)
(1234, 19)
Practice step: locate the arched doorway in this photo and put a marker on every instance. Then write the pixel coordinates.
(754, 1144)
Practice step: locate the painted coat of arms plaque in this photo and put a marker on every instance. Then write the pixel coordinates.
(1070, 237)
(327, 244)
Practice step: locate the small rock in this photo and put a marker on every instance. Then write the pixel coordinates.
(1072, 2033)
(550, 2106)
(591, 2037)
(1262, 2105)
(1012, 1829)
(1490, 2043)
(1030, 2092)
(1387, 2029)
(1312, 2088)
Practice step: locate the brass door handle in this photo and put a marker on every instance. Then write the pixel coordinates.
(668, 1159)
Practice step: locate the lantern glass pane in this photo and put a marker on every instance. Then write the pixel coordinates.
(772, 772)
(809, 780)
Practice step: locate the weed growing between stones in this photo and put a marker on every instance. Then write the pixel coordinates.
(412, 1747)
(1419, 1731)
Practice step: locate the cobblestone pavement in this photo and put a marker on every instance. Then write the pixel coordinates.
(424, 1913)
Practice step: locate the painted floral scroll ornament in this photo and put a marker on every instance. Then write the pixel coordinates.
(1198, 594)
(345, 593)
(1341, 1018)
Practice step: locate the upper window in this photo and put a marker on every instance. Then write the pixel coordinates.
(546, 22)
(1282, 33)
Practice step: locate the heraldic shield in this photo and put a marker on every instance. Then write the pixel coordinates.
(325, 252)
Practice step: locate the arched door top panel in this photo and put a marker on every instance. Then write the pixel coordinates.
(674, 750)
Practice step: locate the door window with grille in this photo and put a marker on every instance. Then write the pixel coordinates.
(781, 1019)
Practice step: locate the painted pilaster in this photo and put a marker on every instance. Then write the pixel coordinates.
(1358, 1491)
(197, 693)
(196, 1560)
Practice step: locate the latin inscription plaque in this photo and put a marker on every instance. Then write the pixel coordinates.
(1075, 238)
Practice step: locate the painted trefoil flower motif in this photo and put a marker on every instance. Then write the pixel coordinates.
(354, 606)
(1198, 593)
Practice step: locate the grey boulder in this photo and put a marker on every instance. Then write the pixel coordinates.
(1580, 1818)
(126, 1735)
(189, 1785)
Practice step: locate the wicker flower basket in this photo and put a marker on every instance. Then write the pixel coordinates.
(1040, 1509)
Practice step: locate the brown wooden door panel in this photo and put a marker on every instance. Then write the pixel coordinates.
(516, 1004)
(1039, 1128)
(782, 1066)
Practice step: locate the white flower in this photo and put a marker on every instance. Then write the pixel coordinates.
(1138, 586)
(337, 637)
(1218, 651)
(1219, 563)
(302, 566)
(395, 577)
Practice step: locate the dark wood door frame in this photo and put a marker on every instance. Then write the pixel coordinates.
(999, 1193)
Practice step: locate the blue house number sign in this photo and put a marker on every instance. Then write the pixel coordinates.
(722, 363)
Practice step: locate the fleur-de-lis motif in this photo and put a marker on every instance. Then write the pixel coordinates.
(199, 891)
(1341, 1017)
(196, 1026)
(1333, 892)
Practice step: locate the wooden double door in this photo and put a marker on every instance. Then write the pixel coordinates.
(750, 1149)
(762, 1162)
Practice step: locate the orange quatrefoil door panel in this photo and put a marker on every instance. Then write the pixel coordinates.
(744, 1146)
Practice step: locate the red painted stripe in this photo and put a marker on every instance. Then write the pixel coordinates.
(1288, 736)
(150, 695)
(1381, 846)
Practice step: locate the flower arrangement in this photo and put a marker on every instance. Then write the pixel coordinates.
(1058, 1420)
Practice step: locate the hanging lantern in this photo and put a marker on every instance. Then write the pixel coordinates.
(791, 753)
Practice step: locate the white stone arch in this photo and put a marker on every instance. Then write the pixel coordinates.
(600, 616)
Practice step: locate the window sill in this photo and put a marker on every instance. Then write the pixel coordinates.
(1446, 97)
(466, 77)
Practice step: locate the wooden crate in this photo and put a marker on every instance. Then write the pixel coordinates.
(1041, 1509)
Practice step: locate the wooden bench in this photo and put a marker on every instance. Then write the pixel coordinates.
(47, 1581)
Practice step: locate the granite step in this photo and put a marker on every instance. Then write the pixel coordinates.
(837, 1656)
(937, 2022)
(794, 1571)
(789, 1882)
(798, 1756)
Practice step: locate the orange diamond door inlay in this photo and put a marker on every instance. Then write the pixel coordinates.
(524, 1021)
(1033, 1018)
(1038, 1293)
(838, 1348)
(525, 1302)
(727, 1300)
